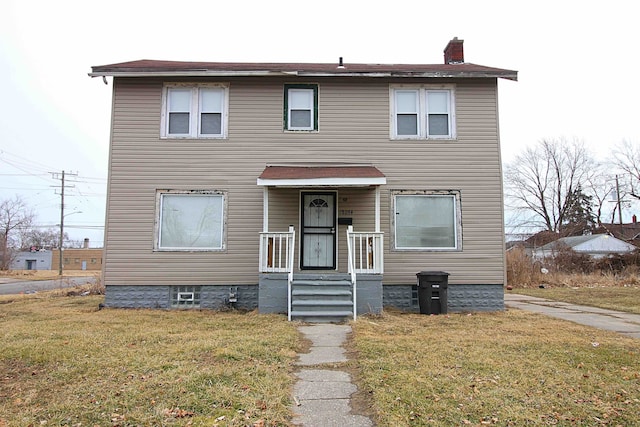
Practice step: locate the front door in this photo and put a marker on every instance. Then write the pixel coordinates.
(318, 249)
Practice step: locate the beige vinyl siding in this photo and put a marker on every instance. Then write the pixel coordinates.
(353, 128)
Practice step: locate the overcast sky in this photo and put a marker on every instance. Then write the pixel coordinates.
(576, 60)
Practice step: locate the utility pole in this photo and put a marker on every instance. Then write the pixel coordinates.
(619, 205)
(61, 223)
(62, 187)
(619, 208)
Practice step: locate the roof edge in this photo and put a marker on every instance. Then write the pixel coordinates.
(153, 68)
(507, 75)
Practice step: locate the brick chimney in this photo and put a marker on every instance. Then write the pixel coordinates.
(85, 244)
(453, 53)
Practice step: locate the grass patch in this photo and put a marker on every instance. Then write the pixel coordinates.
(64, 362)
(614, 298)
(510, 368)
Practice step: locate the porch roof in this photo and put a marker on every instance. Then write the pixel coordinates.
(321, 176)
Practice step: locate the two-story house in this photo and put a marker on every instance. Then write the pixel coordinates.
(309, 189)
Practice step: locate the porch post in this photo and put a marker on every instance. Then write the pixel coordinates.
(265, 209)
(377, 208)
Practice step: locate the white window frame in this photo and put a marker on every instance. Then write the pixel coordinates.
(186, 296)
(158, 222)
(415, 111)
(423, 111)
(309, 108)
(310, 88)
(428, 193)
(195, 110)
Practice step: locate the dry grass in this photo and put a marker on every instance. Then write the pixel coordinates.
(524, 272)
(509, 369)
(64, 362)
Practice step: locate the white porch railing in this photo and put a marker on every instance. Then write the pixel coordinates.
(365, 255)
(276, 256)
(276, 251)
(366, 252)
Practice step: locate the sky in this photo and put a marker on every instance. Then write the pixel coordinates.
(576, 63)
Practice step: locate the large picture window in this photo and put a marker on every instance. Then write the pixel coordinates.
(426, 220)
(301, 107)
(422, 112)
(190, 220)
(194, 111)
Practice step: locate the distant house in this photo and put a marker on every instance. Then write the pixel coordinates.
(89, 259)
(532, 243)
(594, 245)
(629, 232)
(288, 187)
(32, 260)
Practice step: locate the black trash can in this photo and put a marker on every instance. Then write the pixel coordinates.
(432, 291)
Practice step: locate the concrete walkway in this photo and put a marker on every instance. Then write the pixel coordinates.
(624, 323)
(322, 395)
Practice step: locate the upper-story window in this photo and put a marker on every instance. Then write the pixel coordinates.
(301, 107)
(194, 111)
(423, 112)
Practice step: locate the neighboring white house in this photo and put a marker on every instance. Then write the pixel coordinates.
(594, 245)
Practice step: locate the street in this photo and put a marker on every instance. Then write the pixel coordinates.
(12, 286)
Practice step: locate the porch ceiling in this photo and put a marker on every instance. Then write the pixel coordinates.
(321, 176)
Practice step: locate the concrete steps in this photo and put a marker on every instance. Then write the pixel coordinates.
(321, 298)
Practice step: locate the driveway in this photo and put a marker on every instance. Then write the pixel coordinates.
(624, 323)
(13, 286)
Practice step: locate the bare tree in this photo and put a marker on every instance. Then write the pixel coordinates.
(626, 157)
(600, 186)
(544, 179)
(14, 216)
(41, 239)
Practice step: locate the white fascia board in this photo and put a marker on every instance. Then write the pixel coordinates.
(196, 73)
(323, 182)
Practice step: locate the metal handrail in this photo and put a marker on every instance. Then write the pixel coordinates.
(290, 268)
(352, 270)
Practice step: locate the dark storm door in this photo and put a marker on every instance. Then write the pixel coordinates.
(318, 249)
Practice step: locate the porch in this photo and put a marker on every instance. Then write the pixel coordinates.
(321, 296)
(305, 271)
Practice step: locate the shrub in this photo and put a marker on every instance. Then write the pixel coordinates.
(566, 260)
(619, 264)
(568, 268)
(521, 268)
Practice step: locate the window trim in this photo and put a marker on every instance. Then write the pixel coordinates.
(456, 194)
(158, 221)
(195, 112)
(286, 113)
(423, 113)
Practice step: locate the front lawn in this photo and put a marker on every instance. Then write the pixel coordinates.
(509, 369)
(64, 362)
